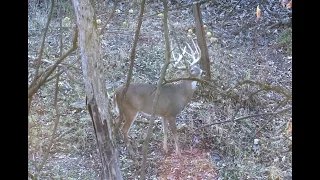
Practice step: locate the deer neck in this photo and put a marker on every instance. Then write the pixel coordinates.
(188, 87)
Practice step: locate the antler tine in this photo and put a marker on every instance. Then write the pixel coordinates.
(172, 52)
(177, 60)
(196, 60)
(197, 47)
(193, 53)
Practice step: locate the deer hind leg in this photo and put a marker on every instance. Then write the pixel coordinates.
(173, 127)
(117, 121)
(129, 118)
(165, 134)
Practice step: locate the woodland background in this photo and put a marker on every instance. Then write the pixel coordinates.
(238, 127)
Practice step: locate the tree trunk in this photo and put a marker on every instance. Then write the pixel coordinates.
(89, 43)
(201, 39)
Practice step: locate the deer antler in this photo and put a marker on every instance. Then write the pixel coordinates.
(194, 54)
(180, 56)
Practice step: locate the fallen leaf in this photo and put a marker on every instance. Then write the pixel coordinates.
(258, 12)
(289, 5)
(289, 128)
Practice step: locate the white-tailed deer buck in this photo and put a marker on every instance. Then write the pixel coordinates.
(173, 98)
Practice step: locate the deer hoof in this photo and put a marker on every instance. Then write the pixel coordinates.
(130, 151)
(178, 154)
(165, 149)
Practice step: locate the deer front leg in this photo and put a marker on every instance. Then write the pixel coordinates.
(173, 127)
(129, 118)
(127, 142)
(165, 134)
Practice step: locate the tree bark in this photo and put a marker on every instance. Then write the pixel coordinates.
(89, 43)
(201, 39)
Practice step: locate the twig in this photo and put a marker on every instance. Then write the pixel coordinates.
(63, 69)
(157, 94)
(37, 76)
(133, 54)
(180, 7)
(195, 79)
(282, 103)
(57, 138)
(61, 35)
(142, 121)
(33, 89)
(110, 17)
(287, 138)
(246, 117)
(266, 123)
(254, 93)
(46, 156)
(31, 176)
(277, 12)
(29, 106)
(188, 78)
(38, 60)
(236, 112)
(71, 77)
(264, 87)
(284, 21)
(229, 13)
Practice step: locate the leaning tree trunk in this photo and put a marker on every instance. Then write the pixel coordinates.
(201, 38)
(89, 43)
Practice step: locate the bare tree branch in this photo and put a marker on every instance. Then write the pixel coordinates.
(157, 94)
(47, 152)
(61, 34)
(180, 7)
(71, 77)
(31, 176)
(246, 117)
(188, 78)
(133, 53)
(57, 138)
(66, 67)
(264, 87)
(270, 118)
(33, 89)
(230, 12)
(100, 32)
(110, 17)
(133, 50)
(38, 59)
(198, 80)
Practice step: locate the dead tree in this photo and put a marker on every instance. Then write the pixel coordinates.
(201, 39)
(97, 105)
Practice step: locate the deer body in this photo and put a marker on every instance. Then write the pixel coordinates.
(139, 98)
(140, 102)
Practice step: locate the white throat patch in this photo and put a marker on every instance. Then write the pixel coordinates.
(194, 84)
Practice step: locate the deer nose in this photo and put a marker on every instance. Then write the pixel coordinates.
(203, 72)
